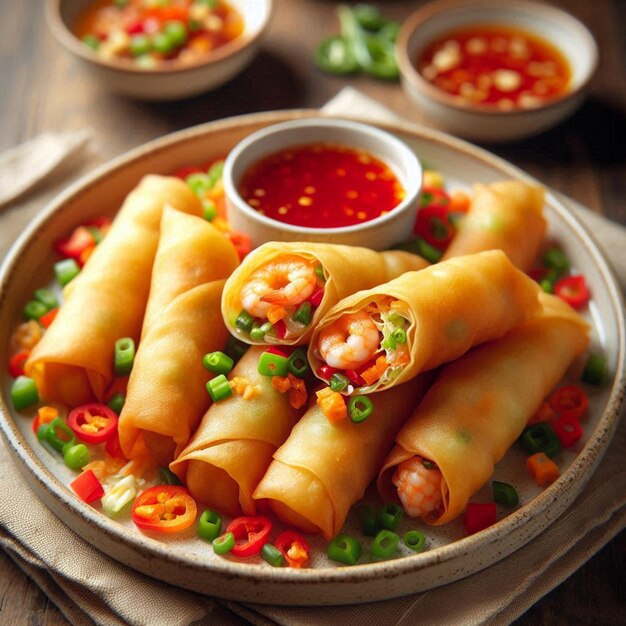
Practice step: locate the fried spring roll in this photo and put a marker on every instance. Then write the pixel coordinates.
(476, 409)
(389, 334)
(73, 363)
(166, 389)
(234, 444)
(507, 216)
(325, 467)
(276, 279)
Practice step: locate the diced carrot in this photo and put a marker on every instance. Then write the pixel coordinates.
(543, 470)
(333, 405)
(373, 373)
(297, 394)
(323, 393)
(84, 255)
(281, 383)
(275, 313)
(544, 413)
(459, 202)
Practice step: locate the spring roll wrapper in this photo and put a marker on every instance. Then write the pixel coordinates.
(498, 213)
(453, 306)
(325, 467)
(233, 446)
(348, 269)
(480, 404)
(166, 390)
(73, 363)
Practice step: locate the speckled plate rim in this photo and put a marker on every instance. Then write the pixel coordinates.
(357, 583)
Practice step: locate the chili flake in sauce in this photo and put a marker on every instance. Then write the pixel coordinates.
(496, 66)
(321, 186)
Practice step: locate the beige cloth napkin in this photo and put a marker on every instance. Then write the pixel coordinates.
(91, 588)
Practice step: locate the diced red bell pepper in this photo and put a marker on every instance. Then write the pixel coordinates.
(251, 533)
(281, 329)
(326, 371)
(479, 516)
(316, 298)
(72, 247)
(87, 487)
(47, 318)
(241, 242)
(355, 378)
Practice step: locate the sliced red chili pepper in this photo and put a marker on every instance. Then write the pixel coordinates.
(93, 423)
(573, 289)
(434, 196)
(87, 487)
(293, 547)
(570, 400)
(47, 318)
(73, 246)
(16, 363)
(568, 430)
(165, 509)
(434, 226)
(251, 533)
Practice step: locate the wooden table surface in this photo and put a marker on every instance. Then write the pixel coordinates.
(44, 89)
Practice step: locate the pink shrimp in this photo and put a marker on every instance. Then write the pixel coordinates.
(350, 341)
(287, 282)
(419, 488)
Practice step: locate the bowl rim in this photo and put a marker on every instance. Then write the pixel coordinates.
(70, 42)
(413, 184)
(540, 11)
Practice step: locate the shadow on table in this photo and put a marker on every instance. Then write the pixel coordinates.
(597, 132)
(267, 84)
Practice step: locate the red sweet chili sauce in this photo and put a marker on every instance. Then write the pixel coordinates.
(321, 186)
(496, 66)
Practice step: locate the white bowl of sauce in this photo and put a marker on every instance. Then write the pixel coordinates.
(324, 180)
(495, 70)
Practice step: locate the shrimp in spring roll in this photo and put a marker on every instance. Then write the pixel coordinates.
(382, 337)
(476, 409)
(281, 290)
(166, 389)
(498, 214)
(324, 467)
(234, 444)
(73, 363)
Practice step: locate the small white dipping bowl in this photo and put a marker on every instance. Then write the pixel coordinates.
(378, 234)
(481, 122)
(172, 80)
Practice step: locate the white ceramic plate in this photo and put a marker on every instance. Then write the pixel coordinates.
(188, 562)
